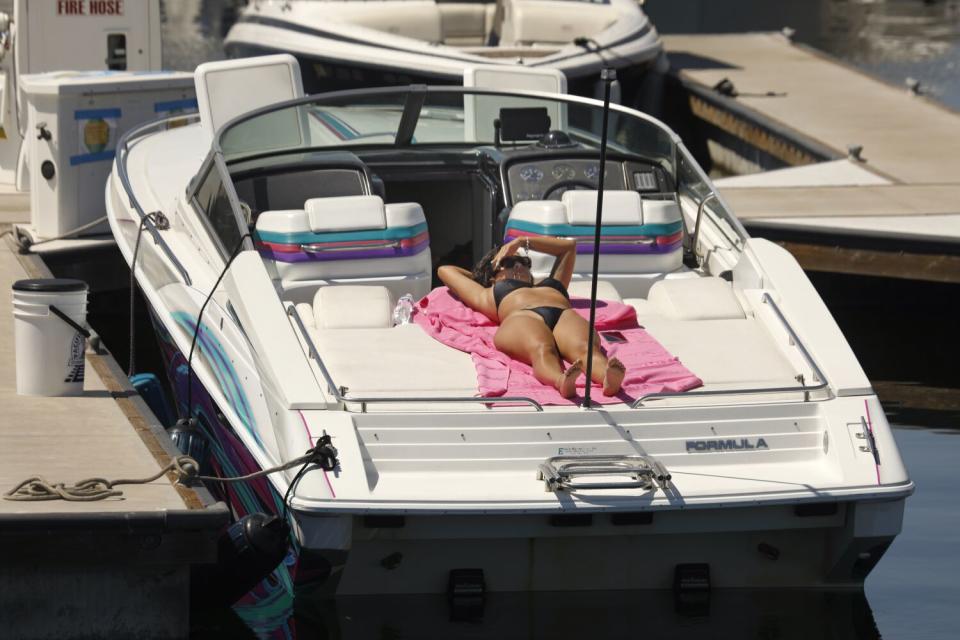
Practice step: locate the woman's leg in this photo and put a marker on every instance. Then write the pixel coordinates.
(523, 336)
(571, 335)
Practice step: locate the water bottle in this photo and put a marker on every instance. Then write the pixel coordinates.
(404, 310)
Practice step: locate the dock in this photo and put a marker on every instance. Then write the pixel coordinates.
(118, 567)
(862, 177)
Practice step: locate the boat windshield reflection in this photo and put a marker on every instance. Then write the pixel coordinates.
(421, 116)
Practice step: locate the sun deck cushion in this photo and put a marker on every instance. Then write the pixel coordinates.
(637, 236)
(399, 361)
(353, 307)
(695, 299)
(730, 353)
(344, 239)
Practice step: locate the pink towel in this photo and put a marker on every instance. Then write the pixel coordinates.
(650, 367)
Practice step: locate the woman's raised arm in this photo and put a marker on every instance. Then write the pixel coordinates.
(565, 250)
(471, 292)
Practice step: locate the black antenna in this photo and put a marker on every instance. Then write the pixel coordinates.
(607, 76)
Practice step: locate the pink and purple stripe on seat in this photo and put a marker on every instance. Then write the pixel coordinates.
(612, 244)
(363, 245)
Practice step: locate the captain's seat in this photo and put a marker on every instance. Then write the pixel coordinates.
(347, 240)
(638, 238)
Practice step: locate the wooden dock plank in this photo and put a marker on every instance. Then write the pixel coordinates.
(883, 264)
(847, 201)
(908, 138)
(67, 439)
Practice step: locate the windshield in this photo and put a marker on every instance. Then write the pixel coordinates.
(411, 117)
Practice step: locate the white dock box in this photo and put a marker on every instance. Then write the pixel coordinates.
(74, 122)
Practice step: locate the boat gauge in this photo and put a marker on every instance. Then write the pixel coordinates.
(531, 174)
(592, 171)
(563, 172)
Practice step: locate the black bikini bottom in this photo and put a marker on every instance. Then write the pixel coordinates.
(550, 315)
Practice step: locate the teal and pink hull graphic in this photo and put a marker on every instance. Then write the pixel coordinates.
(229, 457)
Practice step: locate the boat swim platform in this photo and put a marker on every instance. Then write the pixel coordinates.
(890, 208)
(110, 568)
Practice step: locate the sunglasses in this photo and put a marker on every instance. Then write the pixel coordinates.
(511, 261)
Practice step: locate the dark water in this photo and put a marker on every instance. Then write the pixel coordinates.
(914, 593)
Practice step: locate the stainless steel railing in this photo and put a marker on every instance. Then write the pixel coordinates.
(339, 393)
(120, 160)
(696, 230)
(316, 248)
(794, 339)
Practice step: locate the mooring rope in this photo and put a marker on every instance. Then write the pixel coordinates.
(184, 467)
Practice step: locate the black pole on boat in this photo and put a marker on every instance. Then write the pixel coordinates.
(607, 76)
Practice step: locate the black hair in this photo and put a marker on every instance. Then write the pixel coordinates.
(484, 271)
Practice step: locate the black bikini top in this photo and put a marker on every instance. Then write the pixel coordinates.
(505, 287)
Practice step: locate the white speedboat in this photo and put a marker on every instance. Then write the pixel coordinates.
(779, 471)
(345, 44)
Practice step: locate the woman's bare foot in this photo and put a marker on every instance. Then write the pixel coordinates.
(613, 378)
(567, 382)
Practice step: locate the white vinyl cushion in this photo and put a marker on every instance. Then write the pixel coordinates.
(545, 212)
(353, 307)
(404, 214)
(399, 361)
(695, 299)
(305, 311)
(724, 353)
(619, 207)
(555, 21)
(283, 221)
(659, 212)
(605, 290)
(345, 213)
(401, 214)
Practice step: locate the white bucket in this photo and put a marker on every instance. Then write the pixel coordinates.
(49, 351)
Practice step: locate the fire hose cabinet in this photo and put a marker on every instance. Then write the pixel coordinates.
(74, 123)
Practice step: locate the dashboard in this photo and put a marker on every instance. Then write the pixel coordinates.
(548, 178)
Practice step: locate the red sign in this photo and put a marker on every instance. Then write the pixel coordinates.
(89, 7)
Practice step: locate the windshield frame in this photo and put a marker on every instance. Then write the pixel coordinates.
(414, 100)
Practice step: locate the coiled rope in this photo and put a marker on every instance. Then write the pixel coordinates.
(185, 468)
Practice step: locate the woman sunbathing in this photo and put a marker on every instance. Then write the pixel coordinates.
(535, 326)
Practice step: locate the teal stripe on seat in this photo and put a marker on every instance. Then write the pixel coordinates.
(308, 237)
(654, 229)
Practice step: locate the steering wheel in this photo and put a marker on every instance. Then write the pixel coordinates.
(566, 184)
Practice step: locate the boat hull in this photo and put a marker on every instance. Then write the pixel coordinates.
(228, 457)
(640, 87)
(324, 69)
(824, 545)
(757, 547)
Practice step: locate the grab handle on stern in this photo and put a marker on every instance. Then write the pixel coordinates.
(558, 472)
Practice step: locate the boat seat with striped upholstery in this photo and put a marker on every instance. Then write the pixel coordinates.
(639, 239)
(347, 240)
